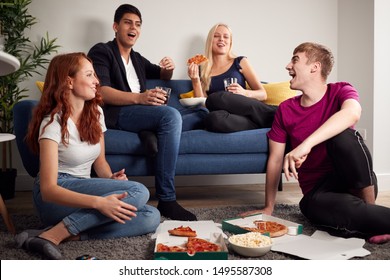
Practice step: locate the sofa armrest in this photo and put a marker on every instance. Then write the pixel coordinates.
(22, 112)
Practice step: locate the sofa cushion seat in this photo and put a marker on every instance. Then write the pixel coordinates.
(118, 142)
(242, 142)
(194, 142)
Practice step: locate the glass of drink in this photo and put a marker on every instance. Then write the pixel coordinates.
(228, 81)
(166, 91)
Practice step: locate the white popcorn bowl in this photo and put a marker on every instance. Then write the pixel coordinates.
(192, 101)
(250, 251)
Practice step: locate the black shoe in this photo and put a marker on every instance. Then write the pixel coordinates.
(172, 210)
(149, 140)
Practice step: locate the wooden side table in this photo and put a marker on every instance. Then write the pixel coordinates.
(3, 209)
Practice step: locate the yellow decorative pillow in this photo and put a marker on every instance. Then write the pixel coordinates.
(189, 94)
(40, 85)
(278, 92)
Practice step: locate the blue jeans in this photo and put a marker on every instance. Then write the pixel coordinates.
(166, 122)
(90, 223)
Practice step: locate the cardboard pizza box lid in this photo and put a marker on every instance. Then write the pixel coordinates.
(322, 246)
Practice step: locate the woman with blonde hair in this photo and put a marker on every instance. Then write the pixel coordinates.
(238, 107)
(67, 131)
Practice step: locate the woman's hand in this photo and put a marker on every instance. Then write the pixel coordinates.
(237, 89)
(120, 175)
(193, 71)
(113, 207)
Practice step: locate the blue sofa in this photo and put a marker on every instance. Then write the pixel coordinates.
(201, 152)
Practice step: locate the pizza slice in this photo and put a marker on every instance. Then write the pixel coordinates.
(165, 248)
(197, 59)
(273, 228)
(195, 244)
(183, 231)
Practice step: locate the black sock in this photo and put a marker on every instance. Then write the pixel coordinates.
(149, 140)
(172, 210)
(43, 246)
(21, 238)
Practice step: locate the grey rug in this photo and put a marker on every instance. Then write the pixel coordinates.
(141, 247)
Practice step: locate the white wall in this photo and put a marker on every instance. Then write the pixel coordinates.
(364, 61)
(381, 102)
(264, 31)
(356, 55)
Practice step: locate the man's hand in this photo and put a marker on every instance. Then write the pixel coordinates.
(153, 97)
(294, 160)
(167, 63)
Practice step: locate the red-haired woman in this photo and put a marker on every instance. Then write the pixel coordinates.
(67, 131)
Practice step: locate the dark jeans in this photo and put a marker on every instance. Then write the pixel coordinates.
(231, 112)
(167, 123)
(332, 207)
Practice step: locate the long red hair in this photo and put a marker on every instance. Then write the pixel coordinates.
(55, 99)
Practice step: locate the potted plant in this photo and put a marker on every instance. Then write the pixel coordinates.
(14, 21)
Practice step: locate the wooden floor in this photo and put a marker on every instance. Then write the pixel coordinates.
(203, 196)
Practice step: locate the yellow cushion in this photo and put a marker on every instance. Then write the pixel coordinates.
(189, 94)
(40, 85)
(278, 92)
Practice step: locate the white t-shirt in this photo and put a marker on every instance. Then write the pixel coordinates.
(131, 75)
(77, 157)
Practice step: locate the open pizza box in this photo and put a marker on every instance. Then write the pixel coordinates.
(207, 230)
(319, 246)
(236, 225)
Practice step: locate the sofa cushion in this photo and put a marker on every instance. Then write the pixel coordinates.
(278, 92)
(121, 142)
(40, 85)
(242, 142)
(188, 94)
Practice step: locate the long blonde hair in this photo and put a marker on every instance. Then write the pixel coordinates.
(205, 76)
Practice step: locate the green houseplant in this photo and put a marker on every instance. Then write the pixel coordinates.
(14, 21)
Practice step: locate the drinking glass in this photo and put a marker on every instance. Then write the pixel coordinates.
(228, 81)
(166, 92)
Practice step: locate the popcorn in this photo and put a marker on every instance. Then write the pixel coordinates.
(251, 240)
